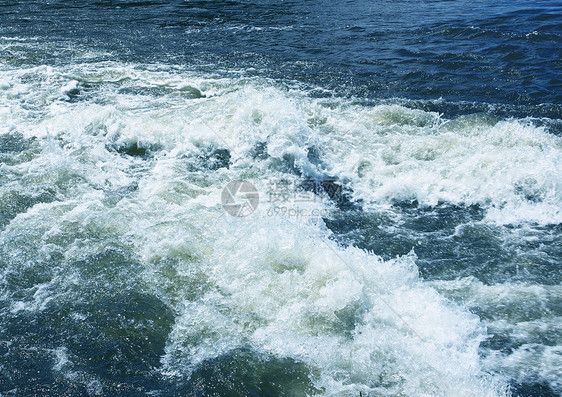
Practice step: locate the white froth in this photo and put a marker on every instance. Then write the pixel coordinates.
(510, 168)
(385, 153)
(527, 315)
(278, 285)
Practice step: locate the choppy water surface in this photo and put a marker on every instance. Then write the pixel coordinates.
(434, 271)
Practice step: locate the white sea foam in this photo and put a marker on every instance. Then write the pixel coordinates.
(527, 315)
(385, 153)
(391, 153)
(279, 286)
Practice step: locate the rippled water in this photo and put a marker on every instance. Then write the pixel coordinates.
(407, 159)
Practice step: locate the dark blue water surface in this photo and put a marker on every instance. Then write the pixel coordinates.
(501, 52)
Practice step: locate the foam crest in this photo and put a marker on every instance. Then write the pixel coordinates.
(138, 156)
(289, 292)
(385, 153)
(510, 167)
(524, 314)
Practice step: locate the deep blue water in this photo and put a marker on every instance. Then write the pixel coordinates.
(441, 119)
(504, 52)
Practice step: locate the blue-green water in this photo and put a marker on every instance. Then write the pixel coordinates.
(407, 158)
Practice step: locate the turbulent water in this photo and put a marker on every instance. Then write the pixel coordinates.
(407, 156)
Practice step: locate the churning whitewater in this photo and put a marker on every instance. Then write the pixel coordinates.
(114, 238)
